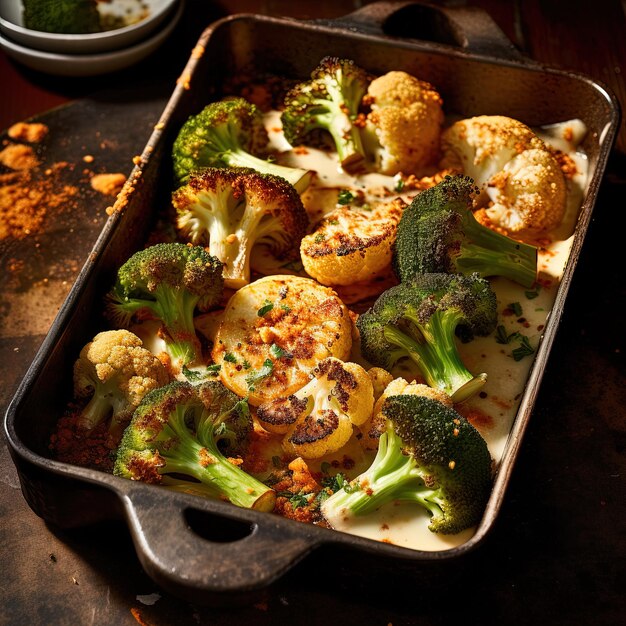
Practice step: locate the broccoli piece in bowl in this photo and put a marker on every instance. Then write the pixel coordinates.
(62, 16)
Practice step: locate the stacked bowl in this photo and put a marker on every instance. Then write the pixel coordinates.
(143, 26)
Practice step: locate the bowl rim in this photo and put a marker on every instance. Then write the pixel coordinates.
(85, 60)
(166, 6)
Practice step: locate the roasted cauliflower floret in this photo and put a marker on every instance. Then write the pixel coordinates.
(275, 331)
(377, 424)
(116, 372)
(380, 379)
(528, 194)
(318, 418)
(514, 169)
(404, 125)
(352, 244)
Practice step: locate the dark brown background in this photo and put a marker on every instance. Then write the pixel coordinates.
(557, 554)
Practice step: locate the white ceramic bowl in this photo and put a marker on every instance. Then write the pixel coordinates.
(12, 26)
(90, 64)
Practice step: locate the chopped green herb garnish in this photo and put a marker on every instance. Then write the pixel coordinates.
(516, 307)
(246, 364)
(525, 349)
(325, 467)
(266, 308)
(333, 222)
(230, 357)
(285, 308)
(277, 352)
(319, 238)
(531, 295)
(398, 183)
(345, 196)
(503, 337)
(192, 375)
(256, 376)
(296, 500)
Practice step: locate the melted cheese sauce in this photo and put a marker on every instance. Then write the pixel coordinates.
(493, 411)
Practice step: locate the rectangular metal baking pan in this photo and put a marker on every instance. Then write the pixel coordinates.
(478, 72)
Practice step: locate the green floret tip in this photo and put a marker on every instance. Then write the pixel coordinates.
(329, 102)
(181, 436)
(62, 16)
(430, 456)
(229, 133)
(169, 281)
(233, 209)
(419, 320)
(439, 233)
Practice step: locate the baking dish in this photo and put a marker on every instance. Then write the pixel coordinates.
(214, 547)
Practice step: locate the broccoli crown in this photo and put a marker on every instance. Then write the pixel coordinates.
(419, 320)
(438, 233)
(429, 455)
(170, 280)
(328, 102)
(62, 16)
(232, 209)
(229, 133)
(180, 434)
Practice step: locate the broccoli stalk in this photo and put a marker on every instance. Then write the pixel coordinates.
(430, 456)
(418, 320)
(176, 438)
(329, 102)
(229, 133)
(169, 281)
(233, 209)
(439, 233)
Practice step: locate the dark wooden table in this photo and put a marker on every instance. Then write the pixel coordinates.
(557, 554)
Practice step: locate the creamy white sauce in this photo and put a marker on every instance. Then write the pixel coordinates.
(404, 524)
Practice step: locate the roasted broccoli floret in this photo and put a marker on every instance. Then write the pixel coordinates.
(232, 209)
(229, 133)
(176, 438)
(169, 281)
(115, 372)
(329, 102)
(419, 319)
(438, 233)
(428, 455)
(62, 16)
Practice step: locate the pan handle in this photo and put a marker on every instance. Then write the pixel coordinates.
(468, 28)
(194, 547)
